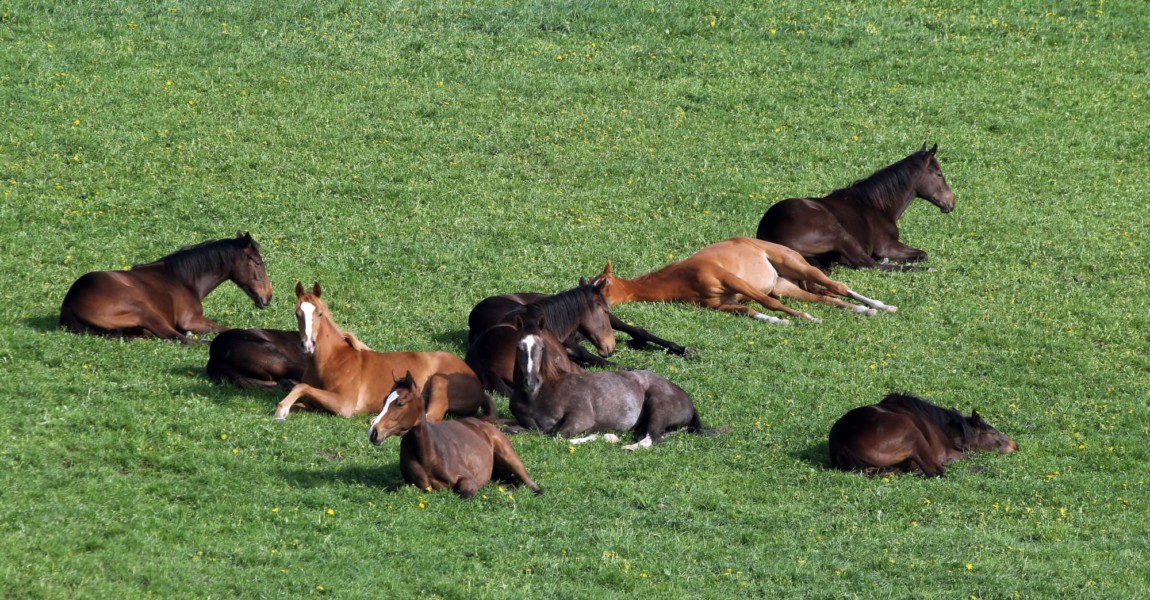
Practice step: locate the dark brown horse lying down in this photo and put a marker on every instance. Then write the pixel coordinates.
(165, 298)
(858, 224)
(461, 455)
(593, 402)
(905, 434)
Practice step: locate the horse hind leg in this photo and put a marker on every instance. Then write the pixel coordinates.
(788, 289)
(506, 462)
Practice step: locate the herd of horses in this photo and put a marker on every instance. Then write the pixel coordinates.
(529, 347)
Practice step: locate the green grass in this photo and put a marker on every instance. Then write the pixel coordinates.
(415, 158)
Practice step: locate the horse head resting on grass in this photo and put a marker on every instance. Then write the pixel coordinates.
(906, 434)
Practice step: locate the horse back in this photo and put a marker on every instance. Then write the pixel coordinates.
(494, 310)
(448, 450)
(743, 257)
(114, 300)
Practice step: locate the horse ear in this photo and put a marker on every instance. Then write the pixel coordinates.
(932, 150)
(315, 289)
(974, 416)
(582, 281)
(299, 291)
(923, 149)
(408, 378)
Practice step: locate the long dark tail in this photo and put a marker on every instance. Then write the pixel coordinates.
(490, 413)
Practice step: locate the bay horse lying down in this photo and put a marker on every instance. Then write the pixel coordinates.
(858, 224)
(347, 379)
(165, 298)
(261, 358)
(461, 455)
(726, 274)
(493, 333)
(905, 434)
(594, 402)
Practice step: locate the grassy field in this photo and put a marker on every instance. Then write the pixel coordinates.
(417, 157)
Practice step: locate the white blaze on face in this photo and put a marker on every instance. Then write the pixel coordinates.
(308, 310)
(528, 345)
(386, 405)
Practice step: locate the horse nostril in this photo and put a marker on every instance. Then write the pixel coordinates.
(371, 435)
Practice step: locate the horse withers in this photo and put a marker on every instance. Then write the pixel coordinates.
(461, 455)
(594, 402)
(906, 434)
(165, 298)
(858, 225)
(347, 379)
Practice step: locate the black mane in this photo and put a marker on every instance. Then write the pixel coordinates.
(887, 185)
(206, 257)
(945, 418)
(563, 311)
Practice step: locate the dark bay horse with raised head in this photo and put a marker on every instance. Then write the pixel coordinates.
(165, 298)
(726, 274)
(461, 455)
(906, 434)
(581, 310)
(643, 402)
(858, 225)
(347, 379)
(261, 358)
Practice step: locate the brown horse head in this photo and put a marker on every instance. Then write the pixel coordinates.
(605, 281)
(538, 357)
(248, 271)
(982, 436)
(929, 182)
(402, 410)
(309, 309)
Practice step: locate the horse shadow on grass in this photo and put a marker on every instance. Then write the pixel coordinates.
(387, 477)
(44, 324)
(457, 340)
(818, 455)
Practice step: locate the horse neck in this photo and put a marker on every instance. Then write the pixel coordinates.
(651, 287)
(422, 434)
(889, 190)
(329, 339)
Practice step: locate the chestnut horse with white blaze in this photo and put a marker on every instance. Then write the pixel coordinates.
(461, 455)
(165, 298)
(347, 379)
(727, 274)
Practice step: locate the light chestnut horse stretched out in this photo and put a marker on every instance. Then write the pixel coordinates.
(461, 455)
(725, 275)
(346, 378)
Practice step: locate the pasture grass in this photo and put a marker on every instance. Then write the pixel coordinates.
(415, 158)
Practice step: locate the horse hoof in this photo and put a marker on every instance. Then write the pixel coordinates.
(610, 438)
(870, 312)
(891, 308)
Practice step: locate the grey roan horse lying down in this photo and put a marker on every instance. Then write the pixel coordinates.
(594, 402)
